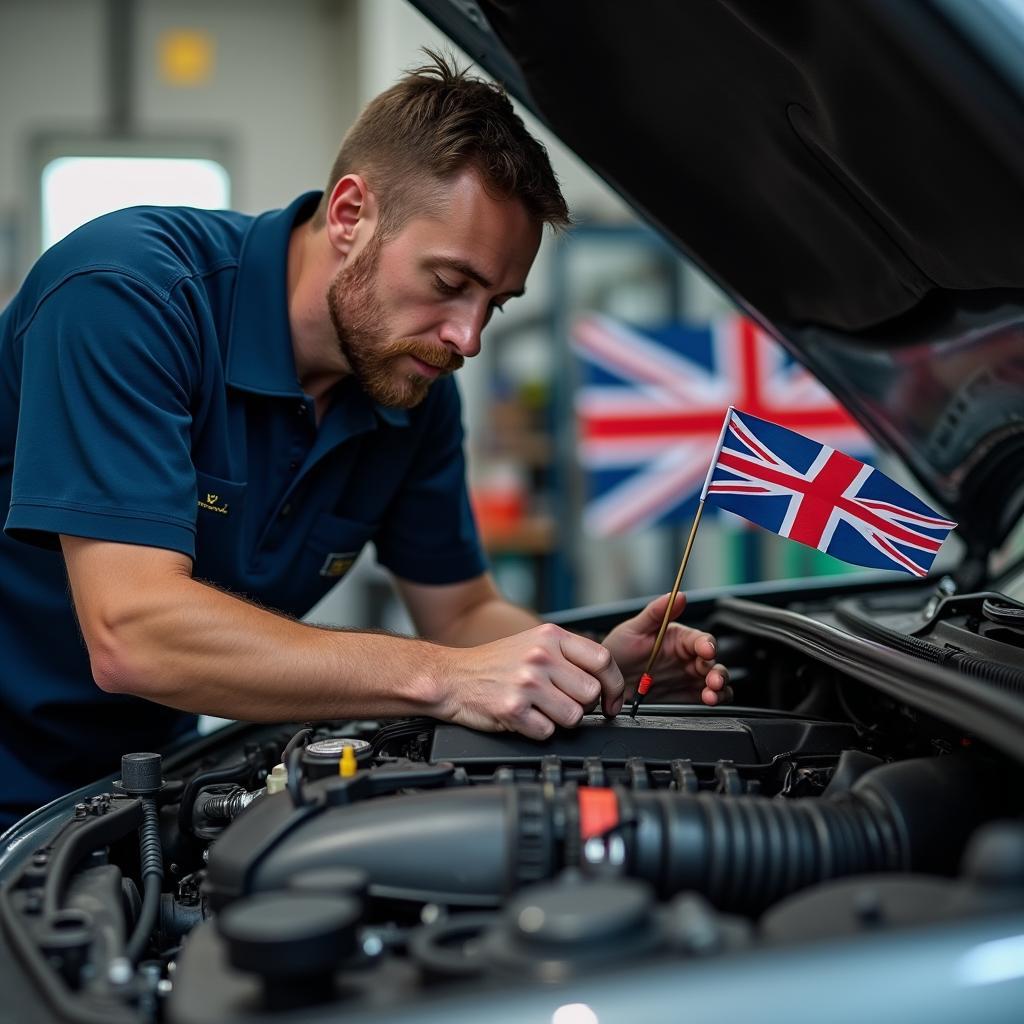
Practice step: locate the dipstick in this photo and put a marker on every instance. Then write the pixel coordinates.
(645, 680)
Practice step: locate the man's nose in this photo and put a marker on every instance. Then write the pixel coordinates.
(463, 332)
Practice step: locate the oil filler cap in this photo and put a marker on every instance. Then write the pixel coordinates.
(140, 773)
(553, 930)
(294, 941)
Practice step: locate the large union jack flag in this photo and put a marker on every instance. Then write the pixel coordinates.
(811, 493)
(650, 408)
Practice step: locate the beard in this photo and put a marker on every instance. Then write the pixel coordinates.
(364, 339)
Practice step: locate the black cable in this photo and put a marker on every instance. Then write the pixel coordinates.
(1000, 675)
(851, 616)
(152, 869)
(294, 778)
(1002, 612)
(403, 729)
(291, 758)
(302, 736)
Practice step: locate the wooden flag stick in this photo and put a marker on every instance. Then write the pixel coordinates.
(645, 680)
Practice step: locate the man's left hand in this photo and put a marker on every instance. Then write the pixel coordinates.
(685, 670)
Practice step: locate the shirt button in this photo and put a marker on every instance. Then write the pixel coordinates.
(292, 466)
(286, 510)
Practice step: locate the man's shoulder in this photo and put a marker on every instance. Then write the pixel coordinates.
(157, 245)
(150, 249)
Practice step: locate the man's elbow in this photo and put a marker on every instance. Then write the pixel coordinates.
(116, 668)
(126, 599)
(121, 657)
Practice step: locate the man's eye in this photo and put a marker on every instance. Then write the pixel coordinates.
(490, 311)
(444, 287)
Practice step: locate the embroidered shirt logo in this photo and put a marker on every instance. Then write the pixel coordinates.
(337, 563)
(211, 504)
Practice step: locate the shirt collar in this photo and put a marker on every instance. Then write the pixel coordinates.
(260, 358)
(391, 415)
(352, 412)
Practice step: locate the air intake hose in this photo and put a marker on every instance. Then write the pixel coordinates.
(475, 845)
(744, 853)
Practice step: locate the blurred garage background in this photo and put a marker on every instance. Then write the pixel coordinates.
(584, 489)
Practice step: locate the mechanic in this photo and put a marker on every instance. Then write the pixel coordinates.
(207, 415)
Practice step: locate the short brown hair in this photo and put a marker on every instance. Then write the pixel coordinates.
(437, 121)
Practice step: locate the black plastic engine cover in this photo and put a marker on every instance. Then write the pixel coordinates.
(700, 737)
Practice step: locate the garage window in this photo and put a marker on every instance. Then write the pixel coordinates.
(75, 189)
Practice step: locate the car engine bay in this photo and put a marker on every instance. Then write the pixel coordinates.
(367, 866)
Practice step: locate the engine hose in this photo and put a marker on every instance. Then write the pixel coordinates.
(745, 853)
(230, 773)
(151, 860)
(1003, 676)
(225, 806)
(742, 852)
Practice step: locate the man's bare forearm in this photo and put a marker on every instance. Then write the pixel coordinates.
(195, 648)
(487, 621)
(155, 632)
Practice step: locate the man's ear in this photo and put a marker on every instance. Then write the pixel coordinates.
(351, 214)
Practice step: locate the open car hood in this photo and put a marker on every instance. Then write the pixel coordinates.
(852, 173)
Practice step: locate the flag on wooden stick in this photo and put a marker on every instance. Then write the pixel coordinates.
(814, 494)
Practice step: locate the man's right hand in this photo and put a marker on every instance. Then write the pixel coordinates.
(154, 632)
(529, 682)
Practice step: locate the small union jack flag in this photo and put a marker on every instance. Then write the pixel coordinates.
(811, 493)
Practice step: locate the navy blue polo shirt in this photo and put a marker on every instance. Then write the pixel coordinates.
(148, 395)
